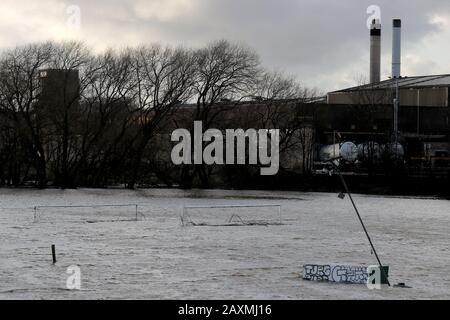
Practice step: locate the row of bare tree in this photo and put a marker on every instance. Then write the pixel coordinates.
(102, 130)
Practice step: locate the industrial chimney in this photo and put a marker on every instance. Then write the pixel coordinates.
(396, 48)
(375, 51)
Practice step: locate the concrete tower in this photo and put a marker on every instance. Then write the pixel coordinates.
(375, 51)
(396, 48)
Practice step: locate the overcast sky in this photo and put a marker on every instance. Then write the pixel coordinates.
(323, 43)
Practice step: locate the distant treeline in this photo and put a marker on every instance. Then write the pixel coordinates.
(69, 117)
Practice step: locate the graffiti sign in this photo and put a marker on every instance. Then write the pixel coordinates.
(338, 273)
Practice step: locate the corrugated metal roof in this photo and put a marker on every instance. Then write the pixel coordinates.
(407, 82)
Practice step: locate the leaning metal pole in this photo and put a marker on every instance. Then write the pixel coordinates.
(360, 219)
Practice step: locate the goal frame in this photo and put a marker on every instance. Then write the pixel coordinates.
(186, 208)
(136, 206)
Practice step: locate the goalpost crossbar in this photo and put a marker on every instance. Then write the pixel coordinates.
(184, 215)
(135, 206)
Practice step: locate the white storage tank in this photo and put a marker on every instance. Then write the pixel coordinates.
(349, 152)
(329, 152)
(370, 151)
(395, 151)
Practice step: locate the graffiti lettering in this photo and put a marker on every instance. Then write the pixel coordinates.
(338, 273)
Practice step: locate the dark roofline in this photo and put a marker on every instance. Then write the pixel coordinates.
(312, 100)
(412, 82)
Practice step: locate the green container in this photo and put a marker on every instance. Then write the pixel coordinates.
(384, 275)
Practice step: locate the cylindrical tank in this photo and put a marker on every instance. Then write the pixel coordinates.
(369, 151)
(329, 152)
(349, 152)
(362, 151)
(395, 151)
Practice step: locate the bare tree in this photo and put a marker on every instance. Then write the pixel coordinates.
(163, 79)
(283, 104)
(75, 118)
(61, 105)
(224, 74)
(19, 94)
(108, 115)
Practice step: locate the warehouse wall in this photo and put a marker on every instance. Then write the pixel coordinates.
(425, 97)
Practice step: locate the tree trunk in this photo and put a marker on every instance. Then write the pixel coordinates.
(136, 163)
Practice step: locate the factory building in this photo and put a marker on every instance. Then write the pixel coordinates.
(59, 89)
(403, 120)
(411, 112)
(401, 124)
(421, 91)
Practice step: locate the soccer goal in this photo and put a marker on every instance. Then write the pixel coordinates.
(232, 215)
(88, 213)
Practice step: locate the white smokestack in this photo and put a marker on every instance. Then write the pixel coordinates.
(375, 51)
(396, 48)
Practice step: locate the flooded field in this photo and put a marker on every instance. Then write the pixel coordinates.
(156, 257)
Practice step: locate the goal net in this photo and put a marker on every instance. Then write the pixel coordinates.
(88, 213)
(231, 215)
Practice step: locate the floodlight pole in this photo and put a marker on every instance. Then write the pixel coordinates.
(360, 219)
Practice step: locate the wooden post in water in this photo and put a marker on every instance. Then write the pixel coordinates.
(54, 253)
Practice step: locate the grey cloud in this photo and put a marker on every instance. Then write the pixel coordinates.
(315, 40)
